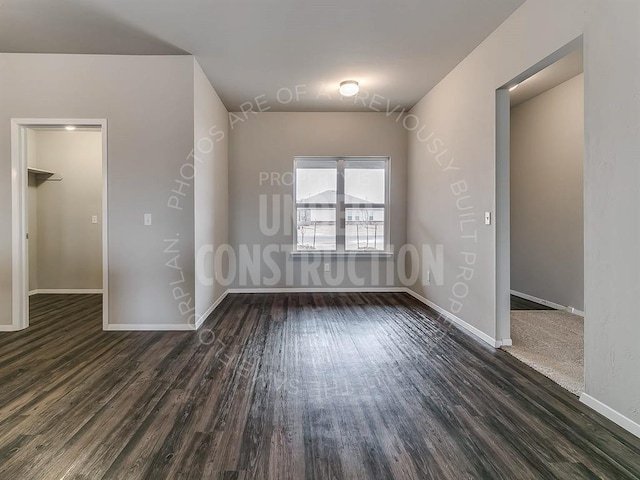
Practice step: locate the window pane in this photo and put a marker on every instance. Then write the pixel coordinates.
(364, 229)
(316, 229)
(364, 185)
(316, 185)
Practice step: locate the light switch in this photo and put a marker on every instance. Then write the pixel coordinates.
(147, 219)
(327, 267)
(487, 218)
(94, 219)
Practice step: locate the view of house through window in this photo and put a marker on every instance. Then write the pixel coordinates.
(341, 204)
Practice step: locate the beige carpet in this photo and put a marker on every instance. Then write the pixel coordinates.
(551, 342)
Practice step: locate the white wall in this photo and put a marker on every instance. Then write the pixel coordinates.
(612, 201)
(461, 111)
(211, 140)
(69, 246)
(267, 143)
(547, 221)
(148, 104)
(459, 118)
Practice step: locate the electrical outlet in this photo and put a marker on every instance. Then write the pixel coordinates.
(487, 218)
(94, 219)
(147, 219)
(327, 267)
(428, 277)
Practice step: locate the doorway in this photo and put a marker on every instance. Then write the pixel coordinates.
(59, 214)
(540, 218)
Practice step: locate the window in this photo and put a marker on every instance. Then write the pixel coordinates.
(342, 204)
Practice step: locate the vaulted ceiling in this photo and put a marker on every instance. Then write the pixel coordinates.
(290, 54)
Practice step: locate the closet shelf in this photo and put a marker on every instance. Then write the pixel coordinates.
(38, 171)
(42, 175)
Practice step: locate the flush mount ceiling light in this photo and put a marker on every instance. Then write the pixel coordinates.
(70, 127)
(511, 89)
(349, 88)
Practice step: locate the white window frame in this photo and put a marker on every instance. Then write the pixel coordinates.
(341, 206)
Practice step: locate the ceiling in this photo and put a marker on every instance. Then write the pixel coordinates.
(265, 49)
(555, 74)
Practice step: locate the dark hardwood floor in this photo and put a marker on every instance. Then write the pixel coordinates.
(518, 303)
(324, 386)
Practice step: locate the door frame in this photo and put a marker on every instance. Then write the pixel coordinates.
(19, 225)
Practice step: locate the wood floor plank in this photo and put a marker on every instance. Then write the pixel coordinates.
(288, 386)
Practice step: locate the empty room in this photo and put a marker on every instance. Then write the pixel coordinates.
(284, 240)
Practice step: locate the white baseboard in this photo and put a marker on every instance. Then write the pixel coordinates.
(611, 414)
(320, 290)
(547, 303)
(210, 310)
(9, 328)
(144, 327)
(66, 291)
(457, 320)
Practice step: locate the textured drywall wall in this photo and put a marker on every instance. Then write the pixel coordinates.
(452, 156)
(263, 148)
(211, 159)
(612, 200)
(69, 245)
(148, 104)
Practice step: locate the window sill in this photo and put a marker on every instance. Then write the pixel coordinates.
(330, 254)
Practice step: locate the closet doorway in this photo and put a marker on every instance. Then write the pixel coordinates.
(59, 218)
(540, 218)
